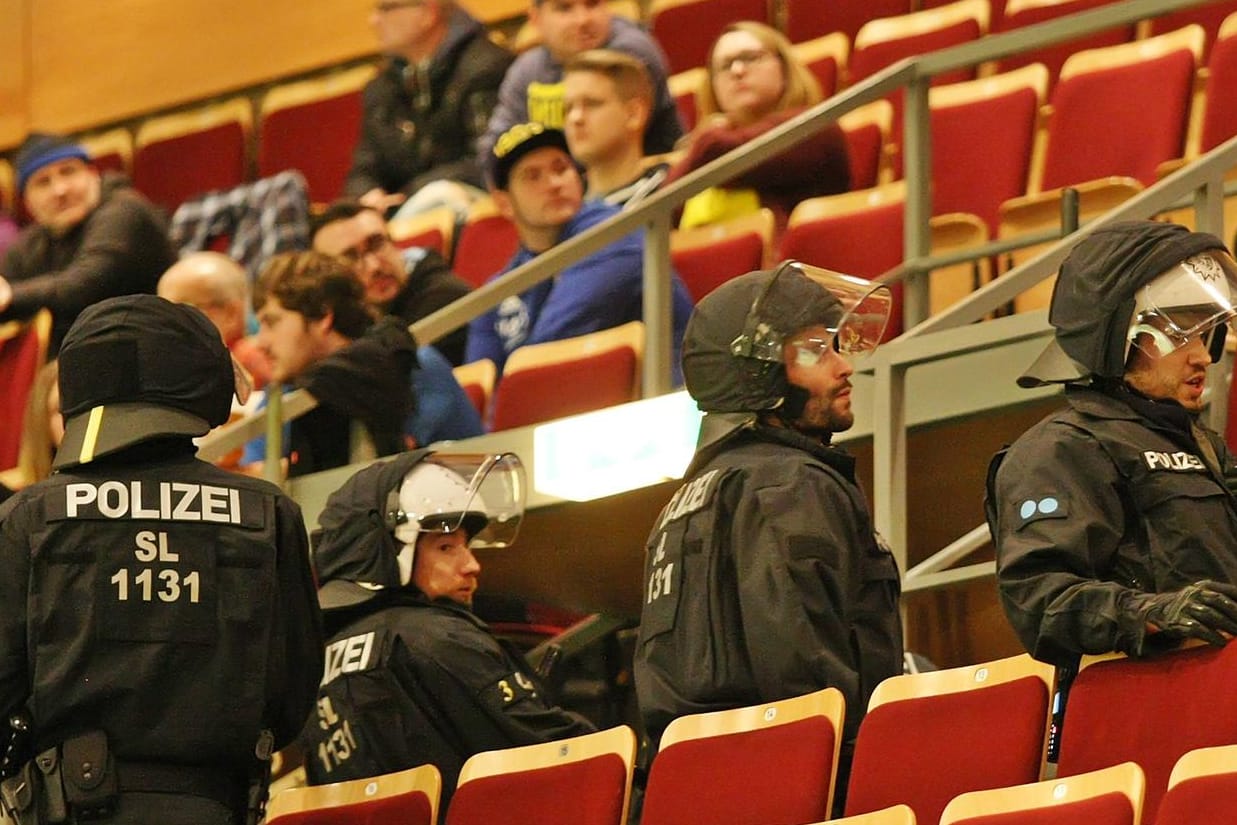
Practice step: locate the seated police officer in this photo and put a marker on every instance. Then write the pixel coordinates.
(412, 676)
(159, 634)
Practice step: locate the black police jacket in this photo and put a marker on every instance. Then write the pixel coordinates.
(410, 681)
(765, 580)
(1095, 504)
(168, 603)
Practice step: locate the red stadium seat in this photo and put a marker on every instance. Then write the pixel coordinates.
(1112, 796)
(408, 797)
(585, 780)
(1151, 711)
(23, 349)
(1021, 13)
(707, 256)
(1202, 787)
(485, 243)
(825, 57)
(928, 737)
(869, 146)
(785, 752)
(433, 229)
(1219, 122)
(181, 156)
(541, 382)
(1210, 16)
(686, 29)
(809, 19)
(312, 126)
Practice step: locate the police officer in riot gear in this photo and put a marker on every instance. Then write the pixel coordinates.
(159, 631)
(412, 676)
(1114, 521)
(764, 578)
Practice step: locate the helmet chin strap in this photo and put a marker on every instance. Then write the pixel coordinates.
(404, 560)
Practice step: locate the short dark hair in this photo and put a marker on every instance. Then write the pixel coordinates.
(340, 210)
(314, 284)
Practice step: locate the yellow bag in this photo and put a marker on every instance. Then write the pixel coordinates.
(717, 204)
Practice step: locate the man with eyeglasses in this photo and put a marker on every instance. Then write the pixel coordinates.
(425, 111)
(1114, 519)
(408, 284)
(764, 577)
(532, 90)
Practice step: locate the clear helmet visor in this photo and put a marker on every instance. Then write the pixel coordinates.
(856, 328)
(483, 494)
(1193, 300)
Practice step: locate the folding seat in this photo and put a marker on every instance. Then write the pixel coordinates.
(23, 349)
(705, 257)
(433, 229)
(1091, 119)
(684, 87)
(1219, 119)
(485, 242)
(956, 232)
(477, 379)
(312, 126)
(996, 9)
(869, 144)
(895, 815)
(786, 753)
(180, 156)
(859, 233)
(1111, 796)
(1020, 13)
(983, 133)
(881, 43)
(686, 29)
(408, 797)
(584, 780)
(541, 382)
(1210, 16)
(808, 19)
(930, 736)
(1151, 711)
(110, 151)
(1035, 214)
(825, 57)
(1201, 788)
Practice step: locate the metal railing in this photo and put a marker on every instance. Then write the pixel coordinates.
(926, 339)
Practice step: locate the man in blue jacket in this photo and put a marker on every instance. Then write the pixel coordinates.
(538, 186)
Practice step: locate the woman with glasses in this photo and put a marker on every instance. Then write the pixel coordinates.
(755, 83)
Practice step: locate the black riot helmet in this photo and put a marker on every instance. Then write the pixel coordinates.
(732, 350)
(1129, 283)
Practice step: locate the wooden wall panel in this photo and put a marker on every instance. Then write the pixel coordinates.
(72, 65)
(13, 57)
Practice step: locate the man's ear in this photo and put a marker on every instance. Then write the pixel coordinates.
(638, 113)
(322, 326)
(502, 201)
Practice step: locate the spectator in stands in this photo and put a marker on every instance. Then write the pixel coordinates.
(533, 88)
(1113, 519)
(216, 284)
(42, 429)
(320, 335)
(426, 110)
(93, 237)
(607, 99)
(755, 83)
(408, 284)
(395, 563)
(538, 186)
(764, 576)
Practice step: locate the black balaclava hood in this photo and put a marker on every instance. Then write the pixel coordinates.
(1093, 299)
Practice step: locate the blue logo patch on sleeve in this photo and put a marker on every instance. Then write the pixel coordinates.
(1034, 509)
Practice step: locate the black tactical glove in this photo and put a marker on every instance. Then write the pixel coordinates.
(1204, 610)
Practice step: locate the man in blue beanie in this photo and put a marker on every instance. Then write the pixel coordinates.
(92, 237)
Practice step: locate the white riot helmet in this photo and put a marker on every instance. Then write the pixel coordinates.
(1193, 299)
(480, 494)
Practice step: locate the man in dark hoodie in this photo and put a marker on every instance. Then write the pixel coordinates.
(370, 378)
(93, 237)
(426, 110)
(764, 577)
(1114, 520)
(412, 676)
